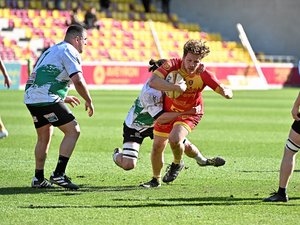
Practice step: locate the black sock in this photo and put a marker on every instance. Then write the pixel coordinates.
(39, 174)
(282, 191)
(61, 165)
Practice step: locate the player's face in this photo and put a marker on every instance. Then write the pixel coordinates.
(81, 41)
(191, 62)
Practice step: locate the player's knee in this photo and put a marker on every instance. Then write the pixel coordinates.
(292, 146)
(174, 142)
(157, 148)
(130, 155)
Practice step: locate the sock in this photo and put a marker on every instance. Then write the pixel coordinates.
(61, 165)
(282, 191)
(158, 178)
(200, 159)
(39, 174)
(177, 162)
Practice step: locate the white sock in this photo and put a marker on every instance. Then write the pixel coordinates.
(200, 159)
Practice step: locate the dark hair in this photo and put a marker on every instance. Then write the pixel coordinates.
(155, 64)
(75, 30)
(196, 47)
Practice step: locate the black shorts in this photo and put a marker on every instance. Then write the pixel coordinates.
(132, 135)
(296, 126)
(56, 114)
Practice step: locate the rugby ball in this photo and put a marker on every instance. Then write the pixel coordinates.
(175, 78)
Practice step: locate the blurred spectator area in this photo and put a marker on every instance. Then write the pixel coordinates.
(126, 32)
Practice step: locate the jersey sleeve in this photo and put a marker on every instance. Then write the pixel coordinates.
(167, 67)
(210, 79)
(71, 61)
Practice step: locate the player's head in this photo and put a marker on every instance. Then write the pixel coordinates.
(193, 52)
(76, 35)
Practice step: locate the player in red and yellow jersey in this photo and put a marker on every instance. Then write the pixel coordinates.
(196, 77)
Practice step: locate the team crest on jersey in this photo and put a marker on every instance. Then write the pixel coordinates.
(166, 65)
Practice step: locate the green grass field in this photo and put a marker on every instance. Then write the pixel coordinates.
(249, 131)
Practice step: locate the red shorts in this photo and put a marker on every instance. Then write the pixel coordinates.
(188, 122)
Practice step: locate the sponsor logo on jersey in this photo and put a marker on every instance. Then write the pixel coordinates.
(51, 117)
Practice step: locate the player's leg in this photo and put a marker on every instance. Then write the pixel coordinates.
(193, 152)
(71, 132)
(132, 140)
(44, 135)
(157, 161)
(3, 131)
(127, 158)
(176, 137)
(288, 160)
(60, 116)
(286, 168)
(157, 155)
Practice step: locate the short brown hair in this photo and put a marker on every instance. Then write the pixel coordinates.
(196, 47)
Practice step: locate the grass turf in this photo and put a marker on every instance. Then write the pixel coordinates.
(249, 131)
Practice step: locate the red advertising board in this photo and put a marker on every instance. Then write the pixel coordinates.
(127, 73)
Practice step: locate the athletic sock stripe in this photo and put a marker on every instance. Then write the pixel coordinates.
(297, 146)
(290, 148)
(130, 156)
(130, 149)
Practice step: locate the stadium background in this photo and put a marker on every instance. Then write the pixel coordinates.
(117, 53)
(272, 26)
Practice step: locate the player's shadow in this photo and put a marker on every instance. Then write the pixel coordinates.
(171, 202)
(63, 191)
(259, 171)
(264, 171)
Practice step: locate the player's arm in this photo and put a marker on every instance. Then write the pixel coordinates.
(167, 117)
(295, 109)
(7, 80)
(211, 80)
(226, 92)
(81, 88)
(160, 84)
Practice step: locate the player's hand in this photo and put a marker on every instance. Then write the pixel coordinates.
(72, 100)
(90, 108)
(295, 113)
(194, 111)
(181, 87)
(197, 109)
(228, 93)
(7, 81)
